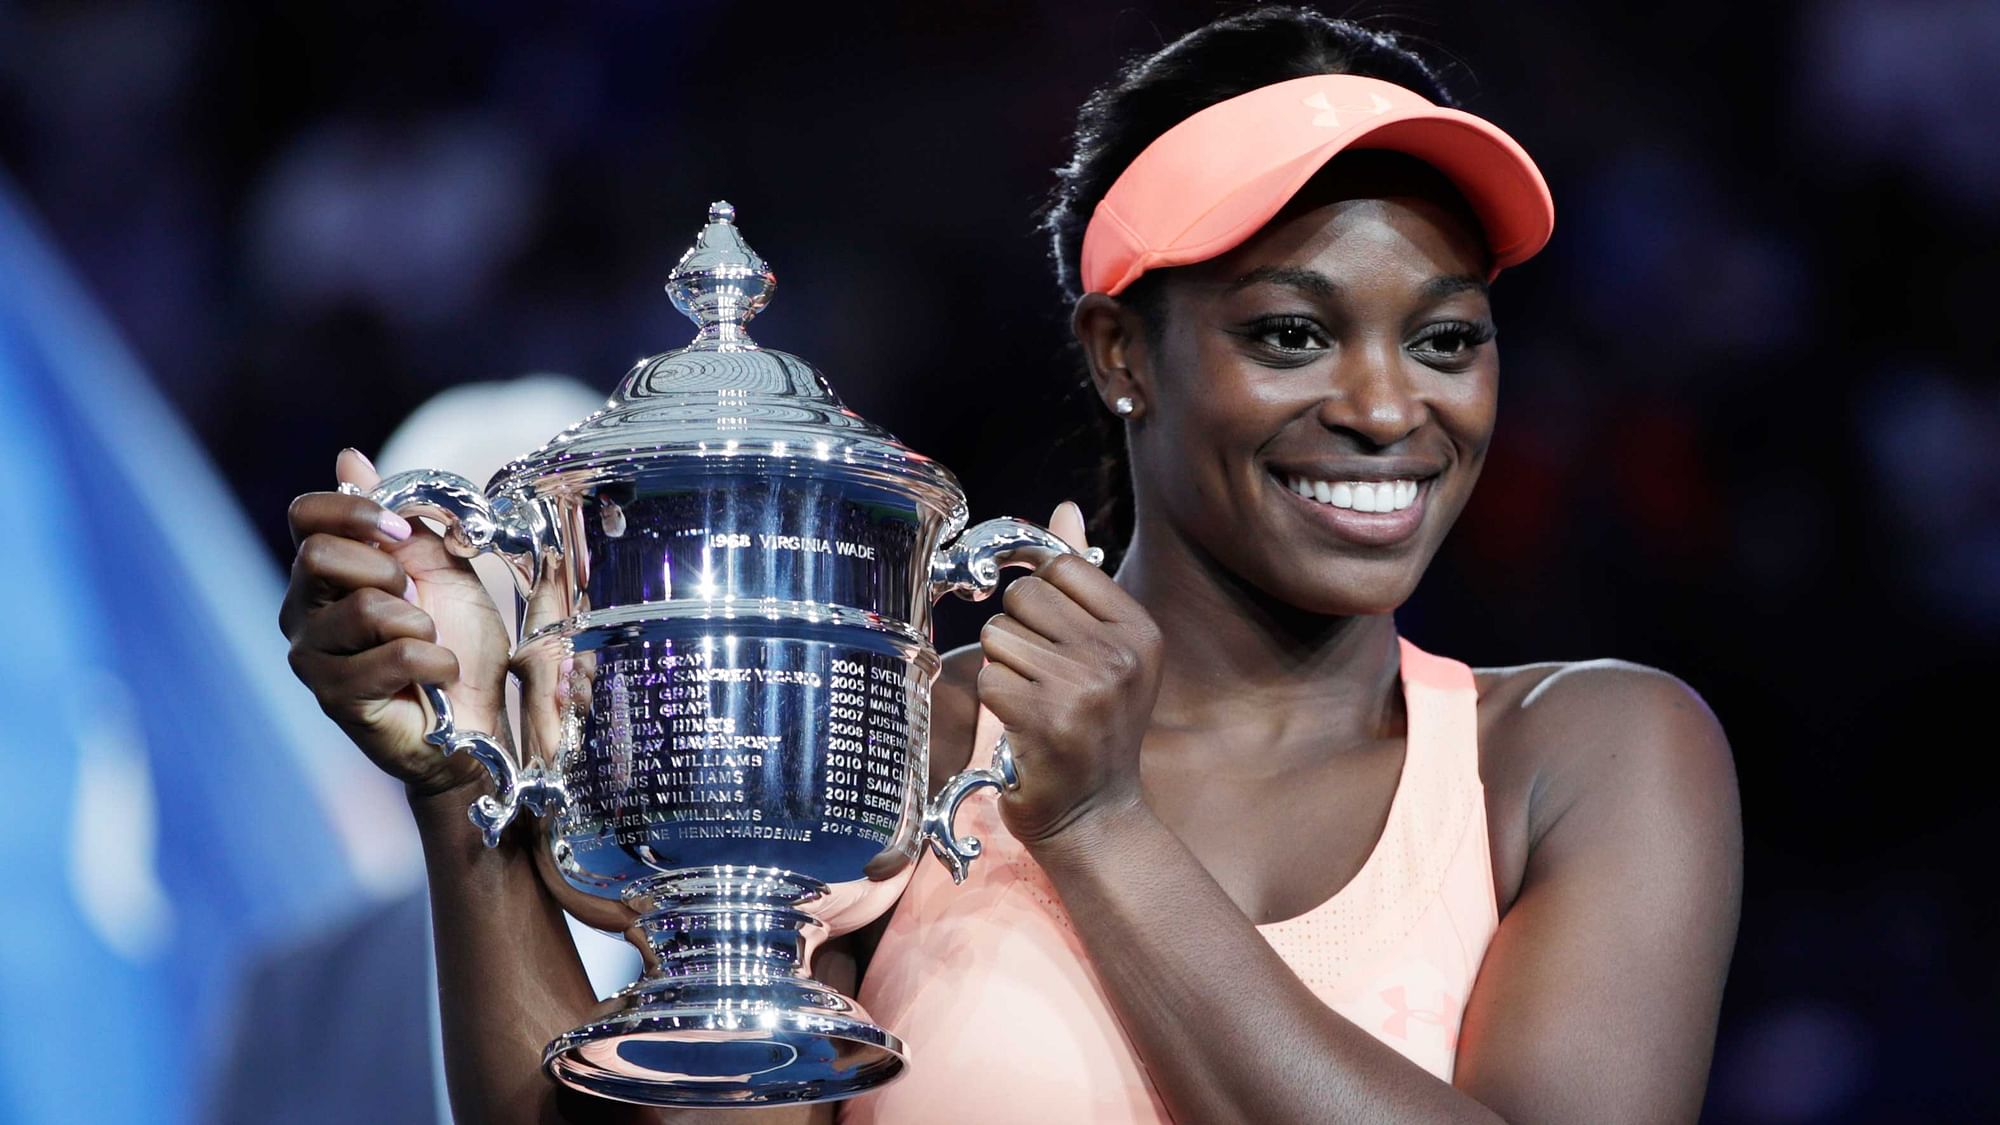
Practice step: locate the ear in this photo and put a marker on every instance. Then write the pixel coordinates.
(1113, 336)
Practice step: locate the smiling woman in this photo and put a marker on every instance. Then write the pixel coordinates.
(1266, 859)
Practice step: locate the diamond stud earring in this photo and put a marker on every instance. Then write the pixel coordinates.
(1122, 404)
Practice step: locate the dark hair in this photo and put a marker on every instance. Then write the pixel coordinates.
(1151, 94)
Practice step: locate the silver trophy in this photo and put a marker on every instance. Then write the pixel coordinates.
(725, 665)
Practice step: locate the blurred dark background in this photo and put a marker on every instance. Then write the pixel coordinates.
(1749, 426)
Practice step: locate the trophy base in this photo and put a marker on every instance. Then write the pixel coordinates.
(718, 1041)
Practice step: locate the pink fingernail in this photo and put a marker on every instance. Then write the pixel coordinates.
(409, 589)
(393, 525)
(363, 456)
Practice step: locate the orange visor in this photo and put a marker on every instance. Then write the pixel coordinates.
(1207, 184)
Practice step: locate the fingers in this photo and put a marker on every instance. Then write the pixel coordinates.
(328, 567)
(421, 552)
(1012, 645)
(1039, 604)
(1045, 608)
(1067, 523)
(1090, 588)
(1002, 690)
(350, 517)
(1085, 585)
(353, 467)
(379, 673)
(367, 618)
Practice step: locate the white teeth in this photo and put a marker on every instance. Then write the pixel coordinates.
(1360, 496)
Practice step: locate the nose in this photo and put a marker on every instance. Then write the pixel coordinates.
(1371, 396)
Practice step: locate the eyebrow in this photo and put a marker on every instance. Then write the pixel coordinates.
(1310, 282)
(1316, 284)
(1438, 288)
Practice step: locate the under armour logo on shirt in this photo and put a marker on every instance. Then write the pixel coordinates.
(1329, 115)
(1401, 1015)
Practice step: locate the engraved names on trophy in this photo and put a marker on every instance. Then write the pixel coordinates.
(868, 747)
(698, 742)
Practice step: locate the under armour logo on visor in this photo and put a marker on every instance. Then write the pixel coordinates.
(1329, 115)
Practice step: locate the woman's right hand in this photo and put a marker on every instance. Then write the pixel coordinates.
(377, 606)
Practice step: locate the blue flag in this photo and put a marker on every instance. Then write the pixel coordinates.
(174, 800)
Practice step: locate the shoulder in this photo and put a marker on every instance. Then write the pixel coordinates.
(954, 712)
(1611, 734)
(1625, 900)
(1560, 697)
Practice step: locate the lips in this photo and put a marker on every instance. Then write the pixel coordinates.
(1351, 520)
(1358, 495)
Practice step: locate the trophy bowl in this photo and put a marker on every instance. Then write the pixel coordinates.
(725, 665)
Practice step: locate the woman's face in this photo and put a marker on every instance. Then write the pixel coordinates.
(1345, 350)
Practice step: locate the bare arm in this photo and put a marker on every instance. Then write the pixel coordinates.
(1596, 1000)
(1599, 996)
(510, 980)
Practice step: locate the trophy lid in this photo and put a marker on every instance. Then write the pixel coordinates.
(723, 397)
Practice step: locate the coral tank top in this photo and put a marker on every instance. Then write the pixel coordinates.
(1006, 1021)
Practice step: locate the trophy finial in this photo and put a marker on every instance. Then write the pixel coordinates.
(720, 283)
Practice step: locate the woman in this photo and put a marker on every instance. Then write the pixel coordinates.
(1267, 860)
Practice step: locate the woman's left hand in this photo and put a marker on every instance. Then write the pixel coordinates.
(1073, 666)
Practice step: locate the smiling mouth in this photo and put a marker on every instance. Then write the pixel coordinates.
(1355, 495)
(1370, 512)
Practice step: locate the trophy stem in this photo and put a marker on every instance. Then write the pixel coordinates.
(730, 998)
(742, 922)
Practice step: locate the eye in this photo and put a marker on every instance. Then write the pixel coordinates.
(1289, 334)
(1453, 341)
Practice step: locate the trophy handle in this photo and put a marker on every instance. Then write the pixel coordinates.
(519, 532)
(970, 568)
(957, 854)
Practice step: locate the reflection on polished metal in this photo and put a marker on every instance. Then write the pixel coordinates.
(956, 852)
(726, 585)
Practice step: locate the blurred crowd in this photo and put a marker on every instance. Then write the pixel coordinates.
(1750, 429)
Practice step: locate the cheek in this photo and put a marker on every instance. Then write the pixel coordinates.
(1189, 450)
(1467, 413)
(1468, 410)
(1215, 416)
(1183, 405)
